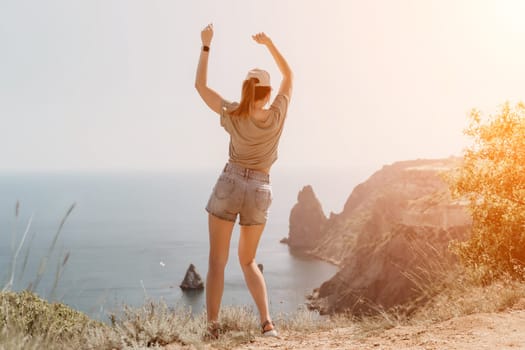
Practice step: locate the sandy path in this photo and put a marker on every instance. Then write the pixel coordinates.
(480, 331)
(491, 331)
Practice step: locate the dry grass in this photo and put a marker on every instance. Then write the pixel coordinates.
(16, 340)
(155, 324)
(35, 322)
(463, 295)
(27, 320)
(456, 292)
(304, 320)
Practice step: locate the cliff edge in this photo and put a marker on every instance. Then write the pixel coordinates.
(397, 222)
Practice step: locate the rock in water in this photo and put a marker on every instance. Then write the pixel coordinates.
(306, 221)
(192, 280)
(261, 267)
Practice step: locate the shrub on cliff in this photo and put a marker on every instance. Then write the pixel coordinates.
(492, 178)
(26, 315)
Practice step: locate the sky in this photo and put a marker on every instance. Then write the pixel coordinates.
(95, 85)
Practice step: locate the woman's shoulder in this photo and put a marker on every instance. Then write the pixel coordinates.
(228, 106)
(262, 115)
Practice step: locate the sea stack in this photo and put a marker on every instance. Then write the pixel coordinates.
(192, 280)
(306, 221)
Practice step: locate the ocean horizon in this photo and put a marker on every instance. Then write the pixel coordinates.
(132, 235)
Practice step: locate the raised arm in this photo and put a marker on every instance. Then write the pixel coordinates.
(287, 82)
(210, 97)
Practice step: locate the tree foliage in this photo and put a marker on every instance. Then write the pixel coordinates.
(492, 178)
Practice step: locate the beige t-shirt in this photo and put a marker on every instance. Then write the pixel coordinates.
(253, 144)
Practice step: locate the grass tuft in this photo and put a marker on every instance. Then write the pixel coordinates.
(27, 317)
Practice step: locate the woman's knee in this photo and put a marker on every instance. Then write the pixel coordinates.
(245, 260)
(217, 263)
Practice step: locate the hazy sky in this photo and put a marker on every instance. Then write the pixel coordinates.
(91, 85)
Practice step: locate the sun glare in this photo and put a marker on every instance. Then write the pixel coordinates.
(512, 15)
(506, 16)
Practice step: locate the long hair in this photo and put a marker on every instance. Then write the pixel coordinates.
(250, 94)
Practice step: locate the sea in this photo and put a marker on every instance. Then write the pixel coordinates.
(130, 236)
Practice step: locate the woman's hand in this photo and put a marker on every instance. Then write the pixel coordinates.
(286, 83)
(207, 35)
(262, 38)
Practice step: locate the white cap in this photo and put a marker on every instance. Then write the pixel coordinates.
(262, 75)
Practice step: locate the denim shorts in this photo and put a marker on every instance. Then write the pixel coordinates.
(241, 191)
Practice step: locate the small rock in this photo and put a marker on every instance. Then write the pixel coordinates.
(261, 267)
(192, 280)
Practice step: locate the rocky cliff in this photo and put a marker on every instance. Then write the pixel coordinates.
(387, 272)
(390, 226)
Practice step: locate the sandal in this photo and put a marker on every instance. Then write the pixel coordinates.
(213, 331)
(270, 332)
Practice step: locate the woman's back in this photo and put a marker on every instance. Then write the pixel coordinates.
(254, 139)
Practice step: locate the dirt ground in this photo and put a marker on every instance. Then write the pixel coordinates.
(491, 331)
(480, 331)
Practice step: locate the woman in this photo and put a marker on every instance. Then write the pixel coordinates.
(243, 189)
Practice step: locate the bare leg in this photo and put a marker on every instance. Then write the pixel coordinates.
(248, 242)
(220, 236)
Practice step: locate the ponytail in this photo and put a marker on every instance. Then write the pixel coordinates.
(250, 94)
(247, 98)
